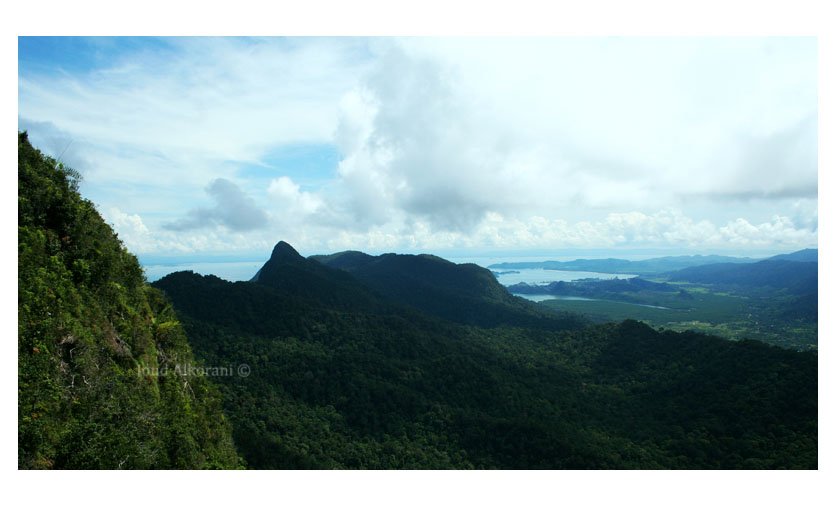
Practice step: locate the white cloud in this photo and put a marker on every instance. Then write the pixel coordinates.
(181, 111)
(130, 228)
(450, 131)
(667, 229)
(512, 143)
(779, 232)
(233, 209)
(139, 239)
(290, 200)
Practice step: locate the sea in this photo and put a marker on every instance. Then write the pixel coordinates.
(230, 271)
(244, 271)
(508, 277)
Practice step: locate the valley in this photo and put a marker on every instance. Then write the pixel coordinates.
(394, 361)
(774, 301)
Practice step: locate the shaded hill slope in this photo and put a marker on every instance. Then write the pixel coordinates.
(795, 277)
(805, 255)
(98, 349)
(620, 266)
(338, 388)
(290, 273)
(463, 293)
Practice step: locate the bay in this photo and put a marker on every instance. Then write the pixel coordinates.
(546, 276)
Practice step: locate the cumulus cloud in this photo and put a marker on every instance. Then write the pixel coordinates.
(182, 108)
(415, 142)
(661, 229)
(233, 209)
(450, 131)
(143, 240)
(665, 229)
(290, 199)
(668, 228)
(512, 143)
(130, 228)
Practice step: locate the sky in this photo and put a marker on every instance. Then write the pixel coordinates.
(221, 147)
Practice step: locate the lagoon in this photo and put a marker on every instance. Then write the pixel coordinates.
(542, 297)
(546, 276)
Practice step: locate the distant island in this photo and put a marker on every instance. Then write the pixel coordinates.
(650, 266)
(774, 300)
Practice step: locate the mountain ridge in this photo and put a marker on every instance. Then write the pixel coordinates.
(622, 266)
(796, 276)
(337, 387)
(804, 255)
(464, 293)
(650, 266)
(100, 352)
(292, 274)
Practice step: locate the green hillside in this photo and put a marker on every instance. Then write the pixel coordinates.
(464, 293)
(99, 385)
(800, 278)
(392, 387)
(357, 361)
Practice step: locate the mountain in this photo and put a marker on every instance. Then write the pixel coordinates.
(805, 255)
(796, 277)
(619, 266)
(593, 288)
(103, 379)
(463, 293)
(389, 386)
(290, 273)
(333, 370)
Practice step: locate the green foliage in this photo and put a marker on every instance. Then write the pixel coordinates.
(765, 314)
(794, 277)
(88, 326)
(395, 388)
(400, 362)
(466, 293)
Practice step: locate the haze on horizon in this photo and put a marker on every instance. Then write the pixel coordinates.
(222, 146)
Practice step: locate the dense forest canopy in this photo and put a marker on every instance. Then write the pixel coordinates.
(399, 384)
(360, 361)
(93, 338)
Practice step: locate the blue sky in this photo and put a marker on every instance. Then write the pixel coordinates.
(201, 147)
(310, 165)
(57, 55)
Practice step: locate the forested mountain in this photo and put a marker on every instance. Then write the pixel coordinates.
(357, 361)
(775, 301)
(620, 266)
(463, 293)
(101, 354)
(388, 386)
(592, 287)
(795, 277)
(805, 255)
(293, 275)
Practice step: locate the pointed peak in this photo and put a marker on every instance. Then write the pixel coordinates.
(284, 251)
